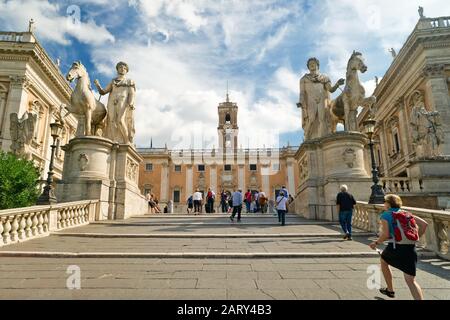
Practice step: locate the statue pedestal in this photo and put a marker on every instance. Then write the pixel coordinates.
(96, 168)
(431, 178)
(324, 165)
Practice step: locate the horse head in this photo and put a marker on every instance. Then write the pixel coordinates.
(76, 71)
(356, 62)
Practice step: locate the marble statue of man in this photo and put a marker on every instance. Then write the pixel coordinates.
(315, 98)
(119, 119)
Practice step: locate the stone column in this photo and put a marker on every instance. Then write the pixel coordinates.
(164, 182)
(404, 129)
(265, 179)
(16, 103)
(2, 110)
(437, 89)
(213, 177)
(241, 177)
(291, 176)
(189, 180)
(384, 149)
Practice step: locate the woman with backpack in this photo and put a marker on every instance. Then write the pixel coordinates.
(402, 230)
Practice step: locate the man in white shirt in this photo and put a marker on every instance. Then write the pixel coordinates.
(281, 207)
(197, 201)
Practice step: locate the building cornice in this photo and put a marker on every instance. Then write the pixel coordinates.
(11, 51)
(418, 39)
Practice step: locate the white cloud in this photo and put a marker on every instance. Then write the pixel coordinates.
(50, 25)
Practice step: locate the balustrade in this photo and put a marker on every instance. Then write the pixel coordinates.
(366, 217)
(18, 225)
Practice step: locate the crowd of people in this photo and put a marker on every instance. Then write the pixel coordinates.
(253, 202)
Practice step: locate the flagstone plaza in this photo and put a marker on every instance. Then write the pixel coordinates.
(180, 257)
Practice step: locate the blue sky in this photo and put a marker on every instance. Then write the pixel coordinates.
(182, 53)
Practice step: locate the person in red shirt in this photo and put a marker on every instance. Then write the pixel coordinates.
(248, 200)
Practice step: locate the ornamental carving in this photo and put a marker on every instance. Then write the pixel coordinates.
(22, 132)
(303, 169)
(434, 70)
(19, 81)
(132, 170)
(349, 157)
(83, 161)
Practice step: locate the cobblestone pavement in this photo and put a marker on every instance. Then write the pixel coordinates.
(205, 277)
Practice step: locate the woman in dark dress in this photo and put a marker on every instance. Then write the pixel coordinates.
(399, 256)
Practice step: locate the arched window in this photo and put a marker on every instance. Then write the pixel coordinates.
(228, 118)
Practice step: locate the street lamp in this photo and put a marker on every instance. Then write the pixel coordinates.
(48, 195)
(377, 196)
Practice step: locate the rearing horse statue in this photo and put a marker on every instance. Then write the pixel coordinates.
(345, 107)
(83, 102)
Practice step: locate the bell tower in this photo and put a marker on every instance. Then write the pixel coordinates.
(228, 129)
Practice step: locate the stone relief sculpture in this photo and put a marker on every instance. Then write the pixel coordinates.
(349, 157)
(22, 132)
(120, 120)
(83, 102)
(427, 133)
(315, 97)
(345, 106)
(83, 161)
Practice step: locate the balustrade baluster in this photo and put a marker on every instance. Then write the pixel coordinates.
(22, 225)
(14, 227)
(46, 221)
(443, 236)
(28, 232)
(6, 231)
(40, 227)
(1, 229)
(34, 225)
(63, 218)
(59, 218)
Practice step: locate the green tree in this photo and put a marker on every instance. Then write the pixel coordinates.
(19, 179)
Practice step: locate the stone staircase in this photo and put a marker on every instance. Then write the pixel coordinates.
(178, 256)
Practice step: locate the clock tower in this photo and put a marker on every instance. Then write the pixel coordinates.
(228, 129)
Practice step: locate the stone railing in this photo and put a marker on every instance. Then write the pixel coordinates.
(18, 225)
(367, 217)
(431, 23)
(401, 185)
(11, 36)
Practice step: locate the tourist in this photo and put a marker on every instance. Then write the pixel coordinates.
(256, 197)
(170, 206)
(237, 205)
(157, 208)
(248, 200)
(190, 204)
(253, 204)
(345, 203)
(210, 201)
(198, 198)
(223, 201)
(230, 201)
(148, 197)
(400, 253)
(152, 203)
(262, 201)
(285, 191)
(281, 203)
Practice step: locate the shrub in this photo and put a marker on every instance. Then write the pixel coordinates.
(19, 179)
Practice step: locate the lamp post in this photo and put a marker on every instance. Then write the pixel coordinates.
(377, 195)
(48, 195)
